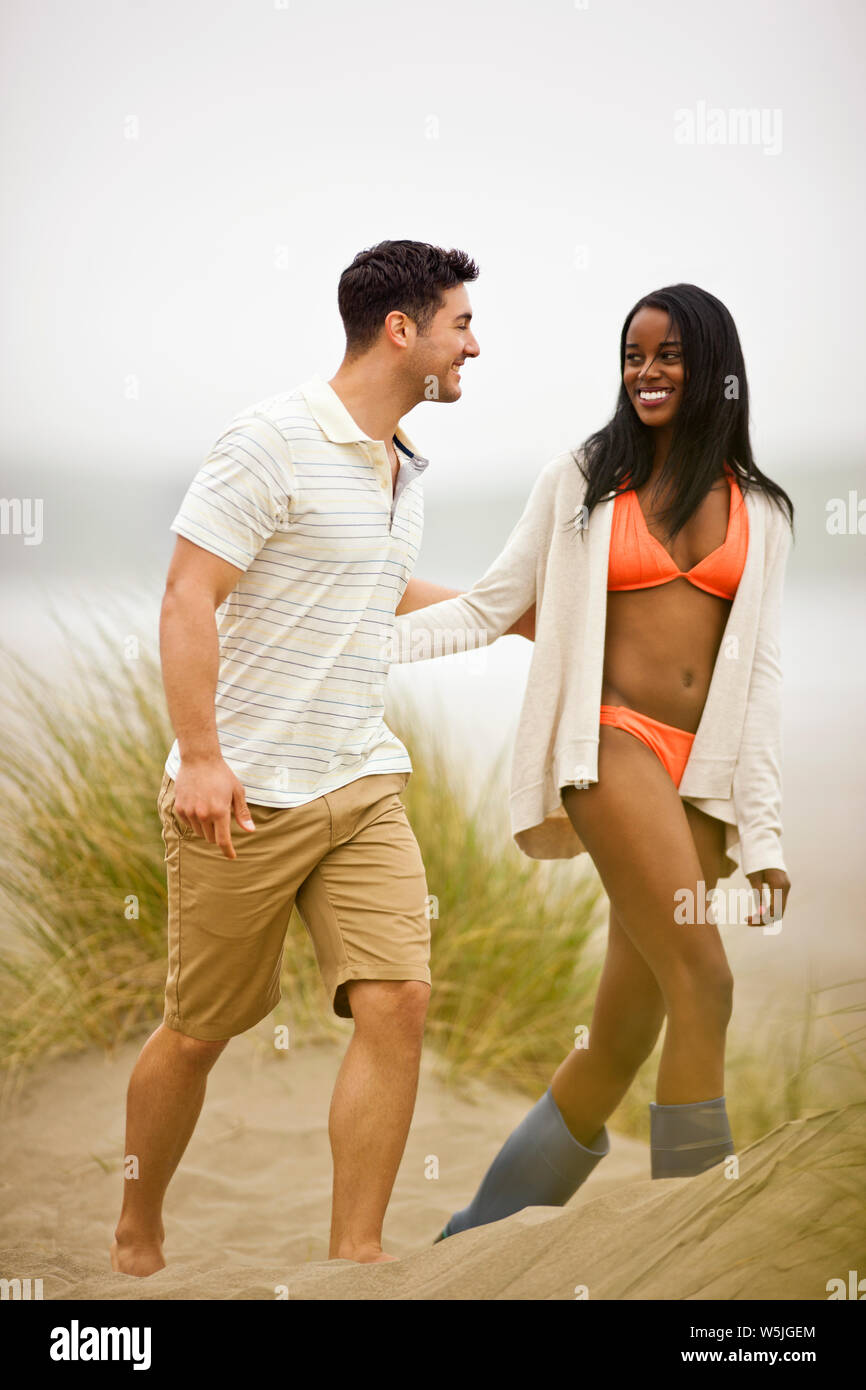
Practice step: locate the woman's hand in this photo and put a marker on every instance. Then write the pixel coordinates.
(772, 904)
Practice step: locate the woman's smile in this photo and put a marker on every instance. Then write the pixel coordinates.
(651, 396)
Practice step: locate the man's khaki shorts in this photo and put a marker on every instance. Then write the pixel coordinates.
(348, 860)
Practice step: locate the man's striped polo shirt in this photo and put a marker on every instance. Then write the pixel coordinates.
(300, 499)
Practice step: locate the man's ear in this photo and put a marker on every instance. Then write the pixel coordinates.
(399, 328)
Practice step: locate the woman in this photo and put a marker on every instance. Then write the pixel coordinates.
(650, 729)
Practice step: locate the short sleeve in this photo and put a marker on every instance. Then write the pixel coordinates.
(241, 494)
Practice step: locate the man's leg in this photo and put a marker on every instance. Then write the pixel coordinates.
(226, 928)
(164, 1099)
(365, 907)
(371, 1110)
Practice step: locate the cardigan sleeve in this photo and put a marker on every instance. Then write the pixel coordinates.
(757, 785)
(498, 599)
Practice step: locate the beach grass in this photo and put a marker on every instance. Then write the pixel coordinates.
(83, 921)
(517, 943)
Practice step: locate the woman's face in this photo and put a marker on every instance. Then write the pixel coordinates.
(654, 372)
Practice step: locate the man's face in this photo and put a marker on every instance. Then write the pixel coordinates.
(438, 355)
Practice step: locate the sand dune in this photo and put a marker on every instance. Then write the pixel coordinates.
(247, 1213)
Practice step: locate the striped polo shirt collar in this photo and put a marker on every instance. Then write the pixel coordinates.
(339, 426)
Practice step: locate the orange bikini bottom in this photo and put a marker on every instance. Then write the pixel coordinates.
(671, 746)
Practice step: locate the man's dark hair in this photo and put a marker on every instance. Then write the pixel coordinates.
(405, 275)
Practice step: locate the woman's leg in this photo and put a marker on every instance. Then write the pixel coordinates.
(626, 1020)
(639, 835)
(629, 1007)
(643, 840)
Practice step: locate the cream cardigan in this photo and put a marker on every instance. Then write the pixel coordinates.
(734, 768)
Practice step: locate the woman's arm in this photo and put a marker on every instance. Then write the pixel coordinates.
(757, 784)
(497, 603)
(422, 593)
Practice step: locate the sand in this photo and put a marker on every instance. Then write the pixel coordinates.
(247, 1213)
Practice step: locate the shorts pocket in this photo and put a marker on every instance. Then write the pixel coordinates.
(167, 812)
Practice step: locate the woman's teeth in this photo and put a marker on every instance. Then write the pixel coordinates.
(654, 395)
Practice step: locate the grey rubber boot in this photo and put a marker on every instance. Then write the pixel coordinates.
(540, 1165)
(688, 1139)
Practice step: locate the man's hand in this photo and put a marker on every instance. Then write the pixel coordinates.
(774, 879)
(205, 795)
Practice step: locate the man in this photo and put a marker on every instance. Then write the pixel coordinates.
(296, 541)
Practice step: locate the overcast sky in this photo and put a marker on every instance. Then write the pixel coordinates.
(186, 180)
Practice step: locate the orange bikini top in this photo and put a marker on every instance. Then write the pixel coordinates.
(639, 561)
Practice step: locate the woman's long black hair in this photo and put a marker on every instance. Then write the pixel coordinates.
(711, 425)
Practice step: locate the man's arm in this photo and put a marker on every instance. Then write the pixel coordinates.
(206, 790)
(420, 593)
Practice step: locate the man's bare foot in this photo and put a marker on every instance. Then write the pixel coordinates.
(139, 1258)
(364, 1254)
